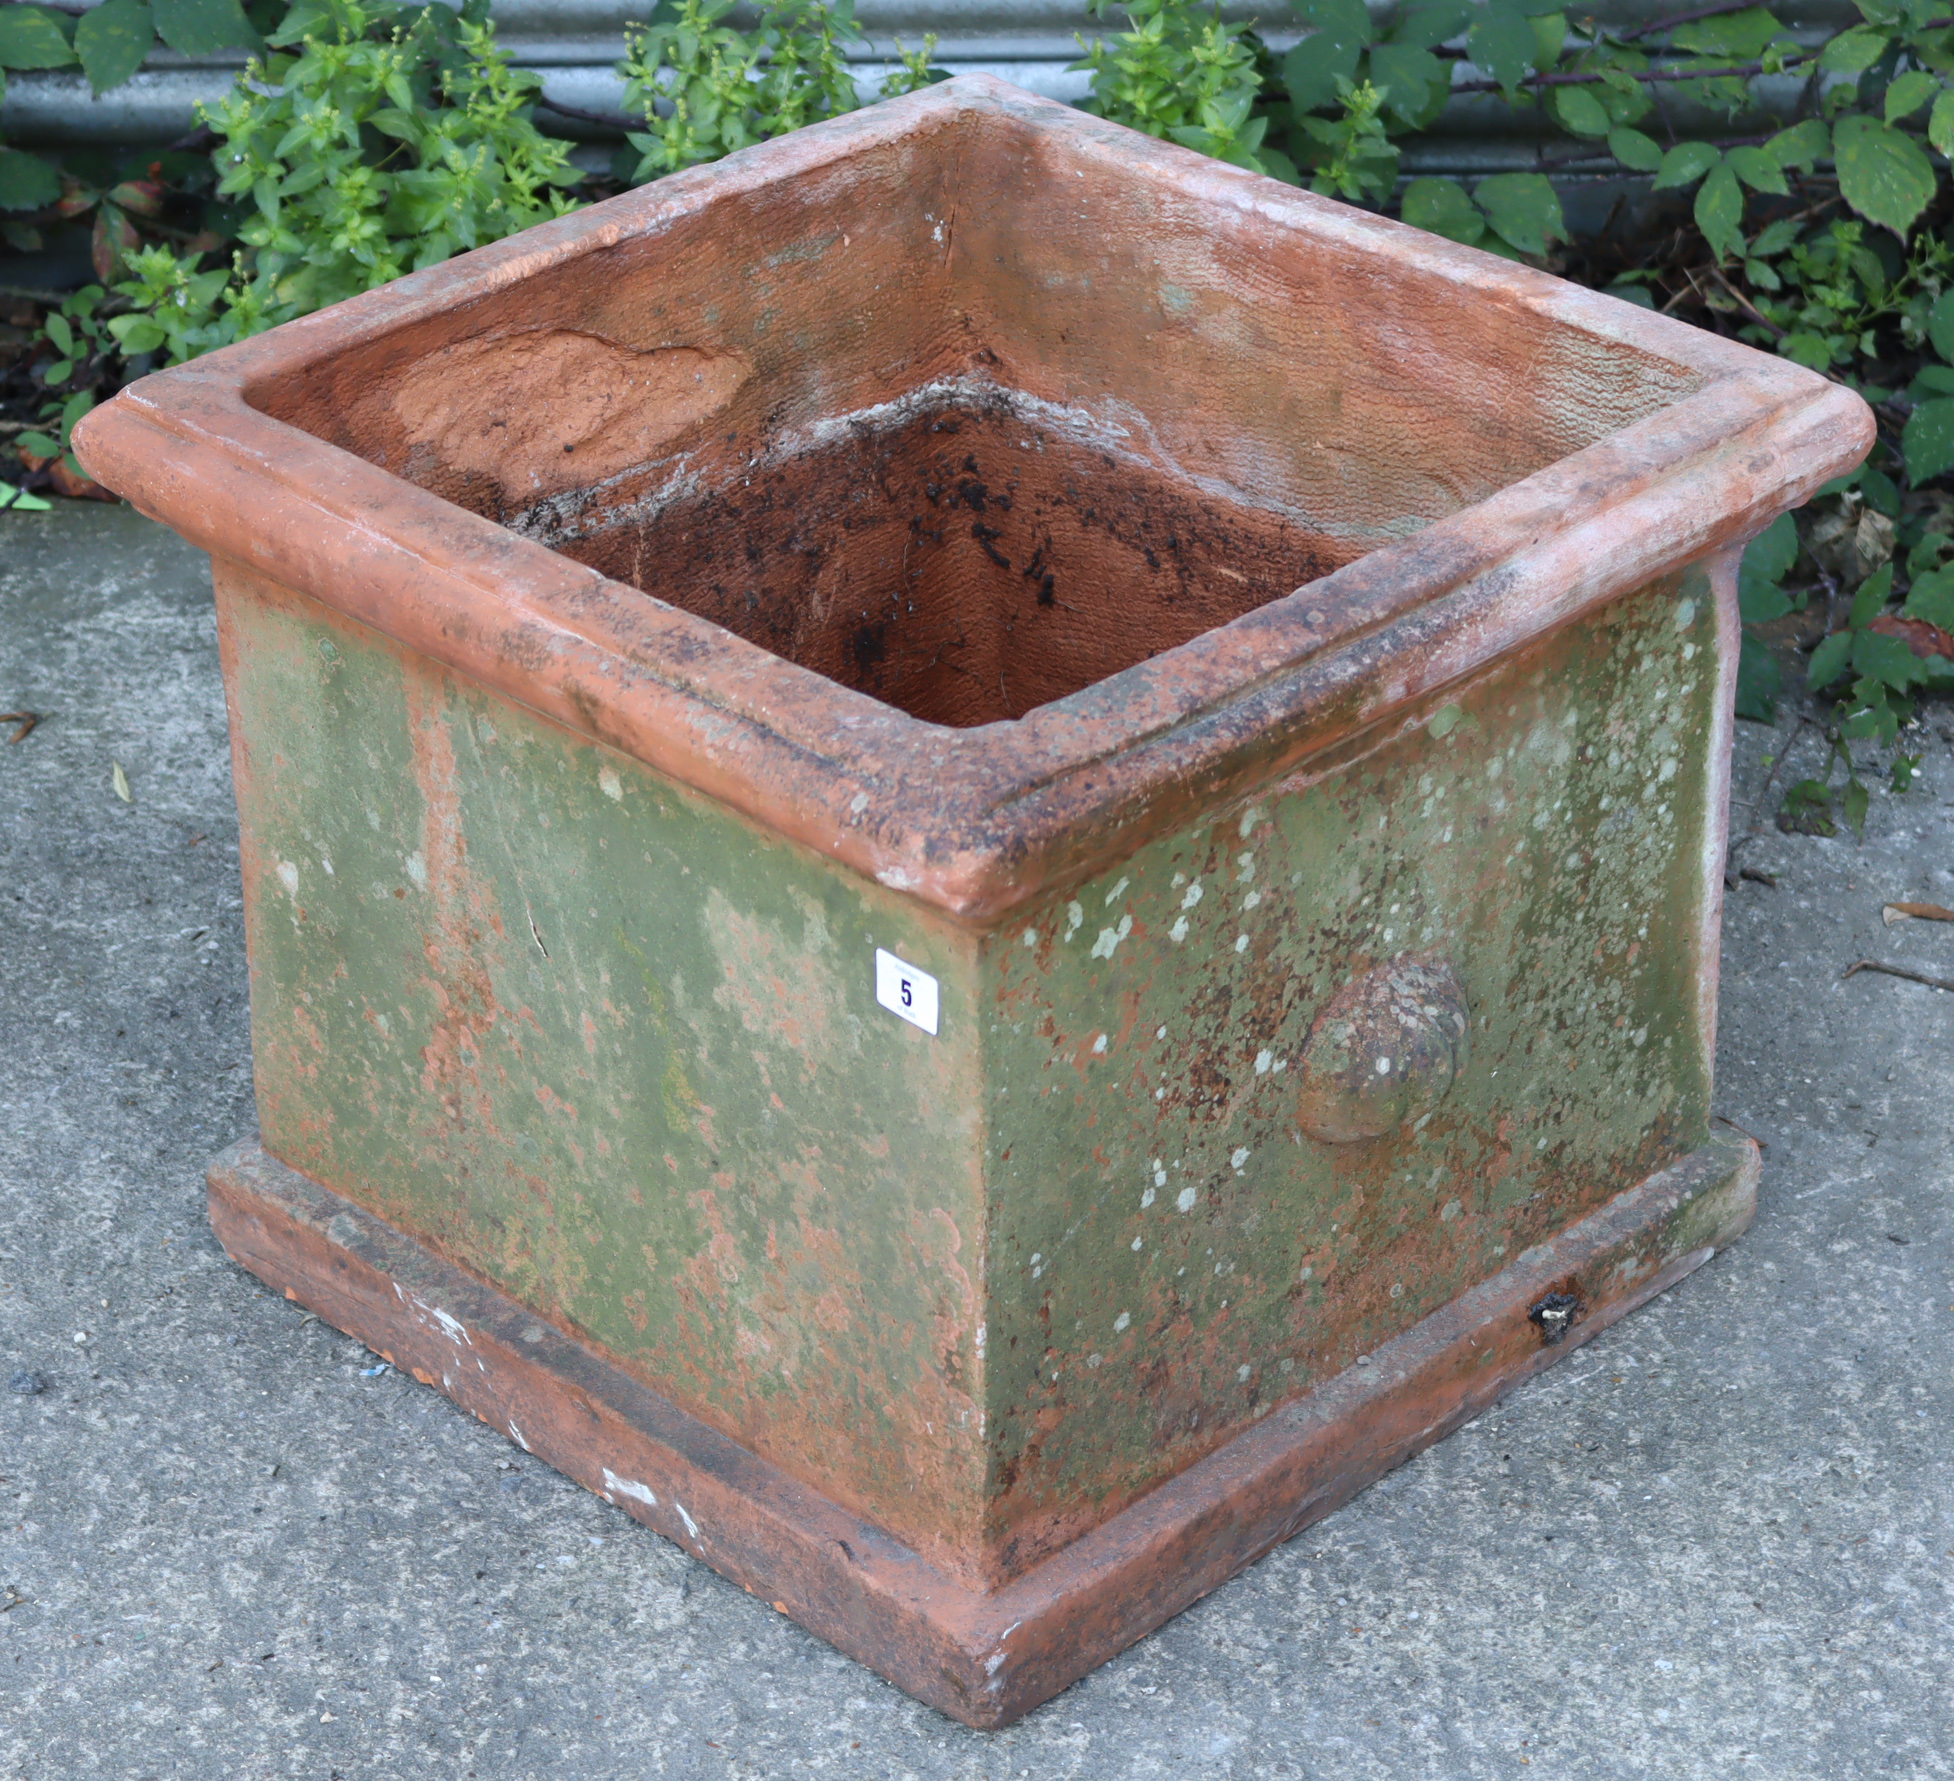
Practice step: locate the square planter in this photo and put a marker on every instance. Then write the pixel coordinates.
(978, 857)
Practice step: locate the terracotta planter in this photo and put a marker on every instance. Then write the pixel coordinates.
(835, 950)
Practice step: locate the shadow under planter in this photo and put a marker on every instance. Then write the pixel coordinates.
(978, 857)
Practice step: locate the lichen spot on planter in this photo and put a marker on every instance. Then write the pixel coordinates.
(555, 409)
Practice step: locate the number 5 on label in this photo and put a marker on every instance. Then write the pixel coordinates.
(905, 991)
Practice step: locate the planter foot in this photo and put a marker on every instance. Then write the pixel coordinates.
(983, 1658)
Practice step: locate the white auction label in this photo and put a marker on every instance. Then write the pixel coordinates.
(904, 990)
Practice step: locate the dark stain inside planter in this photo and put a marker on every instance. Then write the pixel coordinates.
(965, 565)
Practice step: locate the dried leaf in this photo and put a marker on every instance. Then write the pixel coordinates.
(121, 782)
(1847, 545)
(1916, 911)
(1917, 634)
(1873, 538)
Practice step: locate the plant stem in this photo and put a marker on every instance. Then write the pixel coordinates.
(1684, 18)
(1743, 71)
(1601, 154)
(1745, 304)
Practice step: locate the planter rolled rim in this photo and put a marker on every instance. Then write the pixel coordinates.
(1019, 808)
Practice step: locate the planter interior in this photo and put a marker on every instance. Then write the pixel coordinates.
(1265, 674)
(974, 423)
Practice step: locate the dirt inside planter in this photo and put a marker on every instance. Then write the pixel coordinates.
(965, 564)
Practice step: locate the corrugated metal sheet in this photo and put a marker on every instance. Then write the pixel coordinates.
(575, 45)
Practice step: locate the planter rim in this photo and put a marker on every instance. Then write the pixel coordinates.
(977, 821)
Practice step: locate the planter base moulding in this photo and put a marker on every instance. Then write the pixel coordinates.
(968, 801)
(983, 1657)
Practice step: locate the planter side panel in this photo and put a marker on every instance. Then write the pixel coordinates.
(1174, 1254)
(618, 1054)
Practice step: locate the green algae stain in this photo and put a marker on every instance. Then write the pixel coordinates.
(1171, 1253)
(617, 1052)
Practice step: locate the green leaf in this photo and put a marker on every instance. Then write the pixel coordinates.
(1925, 556)
(1870, 601)
(1634, 150)
(1852, 803)
(112, 40)
(1412, 77)
(1342, 34)
(1426, 27)
(1882, 495)
(1807, 809)
(1720, 211)
(1940, 325)
(1773, 551)
(74, 408)
(1803, 145)
(1907, 94)
(1940, 124)
(1331, 15)
(1549, 37)
(1883, 175)
(1866, 701)
(1758, 170)
(1927, 444)
(1932, 597)
(26, 181)
(1441, 205)
(1759, 681)
(1621, 96)
(1503, 44)
(202, 27)
(138, 333)
(1583, 114)
(1271, 161)
(1829, 661)
(1524, 210)
(32, 37)
(1887, 660)
(1854, 51)
(1739, 35)
(1760, 601)
(1685, 164)
(13, 500)
(60, 333)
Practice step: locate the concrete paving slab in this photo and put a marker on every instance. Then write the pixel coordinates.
(1718, 1541)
